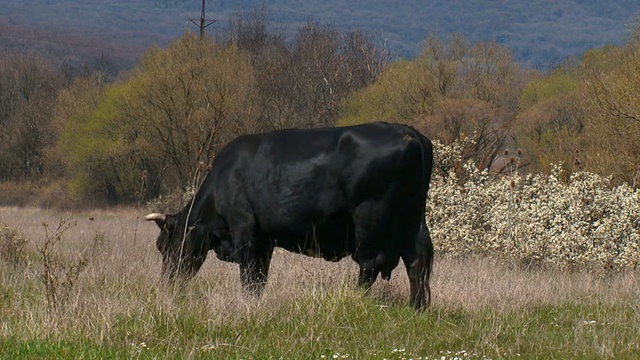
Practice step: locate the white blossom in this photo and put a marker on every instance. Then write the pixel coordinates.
(584, 222)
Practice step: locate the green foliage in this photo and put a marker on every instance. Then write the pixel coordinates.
(88, 160)
(185, 103)
(92, 143)
(545, 88)
(75, 106)
(454, 88)
(610, 92)
(177, 108)
(385, 99)
(550, 123)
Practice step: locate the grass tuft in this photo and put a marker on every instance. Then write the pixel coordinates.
(13, 247)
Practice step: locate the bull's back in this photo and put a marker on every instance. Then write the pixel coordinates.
(297, 180)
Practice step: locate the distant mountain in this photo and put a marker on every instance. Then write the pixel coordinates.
(539, 32)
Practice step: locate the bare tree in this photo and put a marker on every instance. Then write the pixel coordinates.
(302, 82)
(28, 91)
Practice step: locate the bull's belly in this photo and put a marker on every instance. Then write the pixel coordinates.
(329, 249)
(331, 239)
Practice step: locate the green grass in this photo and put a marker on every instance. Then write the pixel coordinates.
(120, 309)
(12, 348)
(346, 323)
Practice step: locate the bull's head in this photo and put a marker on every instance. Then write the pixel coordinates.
(183, 252)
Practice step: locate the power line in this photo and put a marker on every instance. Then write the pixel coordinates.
(203, 22)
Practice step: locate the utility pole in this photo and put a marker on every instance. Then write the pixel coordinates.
(203, 22)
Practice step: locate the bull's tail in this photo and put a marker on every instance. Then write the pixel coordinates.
(422, 267)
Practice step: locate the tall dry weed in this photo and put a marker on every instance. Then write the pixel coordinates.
(59, 275)
(13, 247)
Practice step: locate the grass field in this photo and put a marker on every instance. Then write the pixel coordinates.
(118, 307)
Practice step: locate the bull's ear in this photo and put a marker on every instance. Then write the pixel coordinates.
(192, 227)
(160, 219)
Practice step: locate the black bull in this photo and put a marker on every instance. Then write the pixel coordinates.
(328, 193)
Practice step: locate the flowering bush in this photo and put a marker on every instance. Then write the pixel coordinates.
(582, 222)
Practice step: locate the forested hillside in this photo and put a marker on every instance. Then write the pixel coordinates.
(538, 33)
(91, 112)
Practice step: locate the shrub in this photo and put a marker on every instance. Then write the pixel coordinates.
(58, 275)
(13, 247)
(533, 219)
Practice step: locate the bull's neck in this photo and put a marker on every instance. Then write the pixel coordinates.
(198, 209)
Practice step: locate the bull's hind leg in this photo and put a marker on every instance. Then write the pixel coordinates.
(418, 260)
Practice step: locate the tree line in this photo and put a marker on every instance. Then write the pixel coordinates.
(135, 136)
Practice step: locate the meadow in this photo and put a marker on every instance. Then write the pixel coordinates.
(110, 302)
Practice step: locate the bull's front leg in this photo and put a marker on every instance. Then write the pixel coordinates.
(367, 275)
(255, 259)
(254, 273)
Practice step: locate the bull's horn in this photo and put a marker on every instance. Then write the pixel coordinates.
(155, 216)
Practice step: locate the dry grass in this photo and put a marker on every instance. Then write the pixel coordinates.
(489, 284)
(119, 298)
